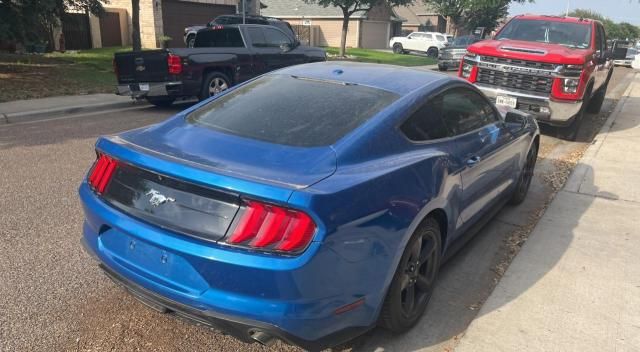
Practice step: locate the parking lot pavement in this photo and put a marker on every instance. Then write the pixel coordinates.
(55, 298)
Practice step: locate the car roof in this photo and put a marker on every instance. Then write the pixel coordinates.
(396, 79)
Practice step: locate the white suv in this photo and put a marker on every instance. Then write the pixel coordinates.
(428, 42)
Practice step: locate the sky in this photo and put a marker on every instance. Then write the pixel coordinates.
(617, 10)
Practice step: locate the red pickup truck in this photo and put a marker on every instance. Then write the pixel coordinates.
(552, 67)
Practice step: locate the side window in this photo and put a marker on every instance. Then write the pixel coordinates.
(220, 38)
(426, 123)
(603, 35)
(275, 38)
(463, 110)
(599, 45)
(257, 37)
(428, 36)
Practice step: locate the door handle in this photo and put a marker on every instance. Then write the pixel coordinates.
(473, 160)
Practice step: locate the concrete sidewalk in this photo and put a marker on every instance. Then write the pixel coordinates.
(22, 110)
(575, 285)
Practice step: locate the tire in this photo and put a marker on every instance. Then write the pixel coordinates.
(160, 101)
(570, 132)
(432, 52)
(414, 279)
(191, 41)
(597, 100)
(526, 175)
(398, 49)
(214, 83)
(442, 68)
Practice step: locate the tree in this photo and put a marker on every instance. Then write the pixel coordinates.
(30, 20)
(468, 13)
(349, 7)
(614, 30)
(135, 24)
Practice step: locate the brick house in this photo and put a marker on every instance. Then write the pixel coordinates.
(421, 18)
(158, 18)
(366, 30)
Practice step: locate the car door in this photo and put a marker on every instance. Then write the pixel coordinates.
(483, 151)
(427, 42)
(412, 42)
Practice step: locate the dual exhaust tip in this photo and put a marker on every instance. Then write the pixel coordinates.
(262, 337)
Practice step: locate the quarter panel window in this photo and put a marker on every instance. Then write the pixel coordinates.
(464, 110)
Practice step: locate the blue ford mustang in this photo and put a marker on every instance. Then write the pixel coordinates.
(308, 204)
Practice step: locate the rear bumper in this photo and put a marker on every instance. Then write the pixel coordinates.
(627, 62)
(246, 330)
(293, 299)
(560, 113)
(155, 89)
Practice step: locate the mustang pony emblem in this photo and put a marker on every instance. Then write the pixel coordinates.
(157, 198)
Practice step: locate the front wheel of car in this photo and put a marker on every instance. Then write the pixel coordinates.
(595, 105)
(526, 175)
(214, 83)
(398, 49)
(414, 279)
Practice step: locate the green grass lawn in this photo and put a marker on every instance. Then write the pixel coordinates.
(381, 57)
(28, 76)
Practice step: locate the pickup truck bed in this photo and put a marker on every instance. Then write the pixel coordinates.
(223, 56)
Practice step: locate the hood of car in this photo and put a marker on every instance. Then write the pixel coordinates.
(196, 146)
(532, 51)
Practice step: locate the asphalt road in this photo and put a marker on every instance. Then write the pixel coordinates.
(53, 297)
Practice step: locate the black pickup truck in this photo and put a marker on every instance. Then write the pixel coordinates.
(224, 55)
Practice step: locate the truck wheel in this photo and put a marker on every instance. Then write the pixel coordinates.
(214, 83)
(414, 279)
(442, 67)
(596, 102)
(160, 101)
(570, 132)
(397, 48)
(191, 41)
(432, 52)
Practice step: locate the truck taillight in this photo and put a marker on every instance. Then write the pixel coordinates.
(571, 84)
(272, 228)
(101, 173)
(175, 64)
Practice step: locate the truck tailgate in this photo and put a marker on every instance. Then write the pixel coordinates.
(142, 66)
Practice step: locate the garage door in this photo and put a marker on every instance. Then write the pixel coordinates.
(374, 35)
(176, 15)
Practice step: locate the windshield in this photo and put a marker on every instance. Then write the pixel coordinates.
(293, 111)
(462, 41)
(577, 35)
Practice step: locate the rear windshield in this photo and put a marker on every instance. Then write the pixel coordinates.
(576, 35)
(292, 111)
(220, 38)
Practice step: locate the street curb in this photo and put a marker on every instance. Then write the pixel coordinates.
(580, 171)
(48, 113)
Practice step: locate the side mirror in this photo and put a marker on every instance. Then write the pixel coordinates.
(515, 118)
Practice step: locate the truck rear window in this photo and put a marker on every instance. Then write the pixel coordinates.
(293, 111)
(219, 38)
(576, 35)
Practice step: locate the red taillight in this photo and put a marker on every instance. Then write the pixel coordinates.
(175, 64)
(102, 172)
(273, 228)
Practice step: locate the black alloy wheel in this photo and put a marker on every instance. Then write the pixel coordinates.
(526, 175)
(414, 279)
